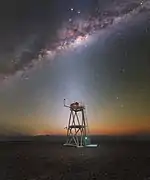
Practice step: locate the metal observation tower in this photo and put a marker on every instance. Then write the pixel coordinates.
(77, 129)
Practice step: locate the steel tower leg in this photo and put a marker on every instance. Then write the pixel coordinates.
(76, 130)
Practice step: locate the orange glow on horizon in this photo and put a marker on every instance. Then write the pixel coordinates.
(103, 131)
(125, 127)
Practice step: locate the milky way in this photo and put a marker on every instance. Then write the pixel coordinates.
(77, 31)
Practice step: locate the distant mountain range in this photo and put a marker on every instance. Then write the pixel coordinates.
(59, 138)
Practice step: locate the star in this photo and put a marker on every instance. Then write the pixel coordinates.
(141, 3)
(70, 19)
(122, 106)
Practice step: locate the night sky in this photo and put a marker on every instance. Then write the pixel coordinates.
(51, 50)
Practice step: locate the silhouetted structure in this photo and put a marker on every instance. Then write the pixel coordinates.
(77, 129)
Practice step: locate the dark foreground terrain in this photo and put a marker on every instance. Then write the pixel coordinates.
(45, 161)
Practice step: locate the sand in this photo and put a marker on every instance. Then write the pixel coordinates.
(47, 160)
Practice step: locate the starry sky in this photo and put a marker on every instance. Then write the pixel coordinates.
(109, 71)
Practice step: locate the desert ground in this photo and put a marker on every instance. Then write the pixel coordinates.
(43, 160)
